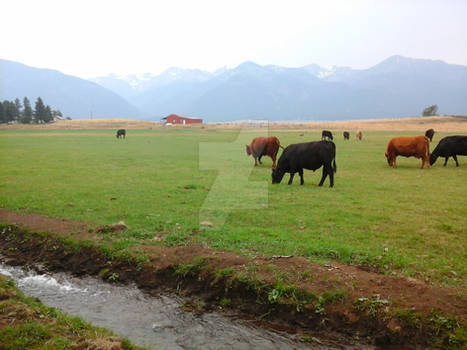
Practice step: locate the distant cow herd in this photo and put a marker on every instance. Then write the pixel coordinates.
(317, 154)
(314, 155)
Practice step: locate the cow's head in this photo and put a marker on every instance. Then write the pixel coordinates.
(277, 175)
(433, 158)
(389, 158)
(248, 150)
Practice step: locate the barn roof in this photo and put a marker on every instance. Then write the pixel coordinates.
(180, 117)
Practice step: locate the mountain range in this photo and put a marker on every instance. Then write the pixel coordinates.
(74, 97)
(397, 87)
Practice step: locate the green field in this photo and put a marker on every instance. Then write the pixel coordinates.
(406, 221)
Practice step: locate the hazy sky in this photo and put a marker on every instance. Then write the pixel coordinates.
(96, 37)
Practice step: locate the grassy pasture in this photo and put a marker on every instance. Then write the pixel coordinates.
(405, 221)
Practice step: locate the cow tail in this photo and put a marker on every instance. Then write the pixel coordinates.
(334, 166)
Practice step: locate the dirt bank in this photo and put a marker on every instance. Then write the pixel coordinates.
(289, 292)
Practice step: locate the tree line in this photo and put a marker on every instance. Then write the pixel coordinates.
(22, 112)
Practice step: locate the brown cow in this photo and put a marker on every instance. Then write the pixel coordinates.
(264, 146)
(408, 146)
(359, 135)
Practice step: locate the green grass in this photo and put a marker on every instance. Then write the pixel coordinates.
(407, 220)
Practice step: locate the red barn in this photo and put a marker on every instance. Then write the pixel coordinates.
(176, 119)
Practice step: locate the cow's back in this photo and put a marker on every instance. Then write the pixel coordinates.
(409, 146)
(265, 145)
(257, 145)
(308, 155)
(451, 145)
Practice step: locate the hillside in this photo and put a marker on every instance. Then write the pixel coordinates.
(76, 98)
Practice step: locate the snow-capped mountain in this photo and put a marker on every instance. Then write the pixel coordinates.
(398, 86)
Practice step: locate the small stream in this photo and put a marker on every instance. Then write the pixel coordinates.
(155, 322)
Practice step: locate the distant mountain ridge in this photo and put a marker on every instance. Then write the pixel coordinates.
(74, 97)
(397, 87)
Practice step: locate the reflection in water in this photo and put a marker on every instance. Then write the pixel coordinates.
(158, 323)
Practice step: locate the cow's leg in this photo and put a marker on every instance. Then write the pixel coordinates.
(259, 159)
(256, 162)
(445, 160)
(323, 177)
(331, 177)
(273, 162)
(423, 162)
(300, 172)
(394, 162)
(291, 178)
(455, 158)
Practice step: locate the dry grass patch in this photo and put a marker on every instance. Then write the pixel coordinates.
(418, 124)
(88, 124)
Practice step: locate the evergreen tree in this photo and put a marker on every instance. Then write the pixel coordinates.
(27, 112)
(39, 111)
(9, 111)
(57, 113)
(2, 114)
(17, 110)
(48, 117)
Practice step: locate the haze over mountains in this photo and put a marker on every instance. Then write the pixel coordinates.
(396, 87)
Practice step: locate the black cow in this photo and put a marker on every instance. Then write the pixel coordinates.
(309, 155)
(326, 134)
(121, 132)
(346, 135)
(429, 133)
(450, 146)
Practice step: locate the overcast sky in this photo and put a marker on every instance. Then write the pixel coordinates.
(96, 37)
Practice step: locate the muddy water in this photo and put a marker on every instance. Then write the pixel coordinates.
(158, 323)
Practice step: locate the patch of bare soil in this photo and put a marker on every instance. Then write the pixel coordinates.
(375, 318)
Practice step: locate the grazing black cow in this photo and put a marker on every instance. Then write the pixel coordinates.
(346, 135)
(429, 133)
(121, 132)
(450, 146)
(326, 134)
(309, 155)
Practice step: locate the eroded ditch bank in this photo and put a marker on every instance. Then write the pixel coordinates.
(157, 323)
(331, 308)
